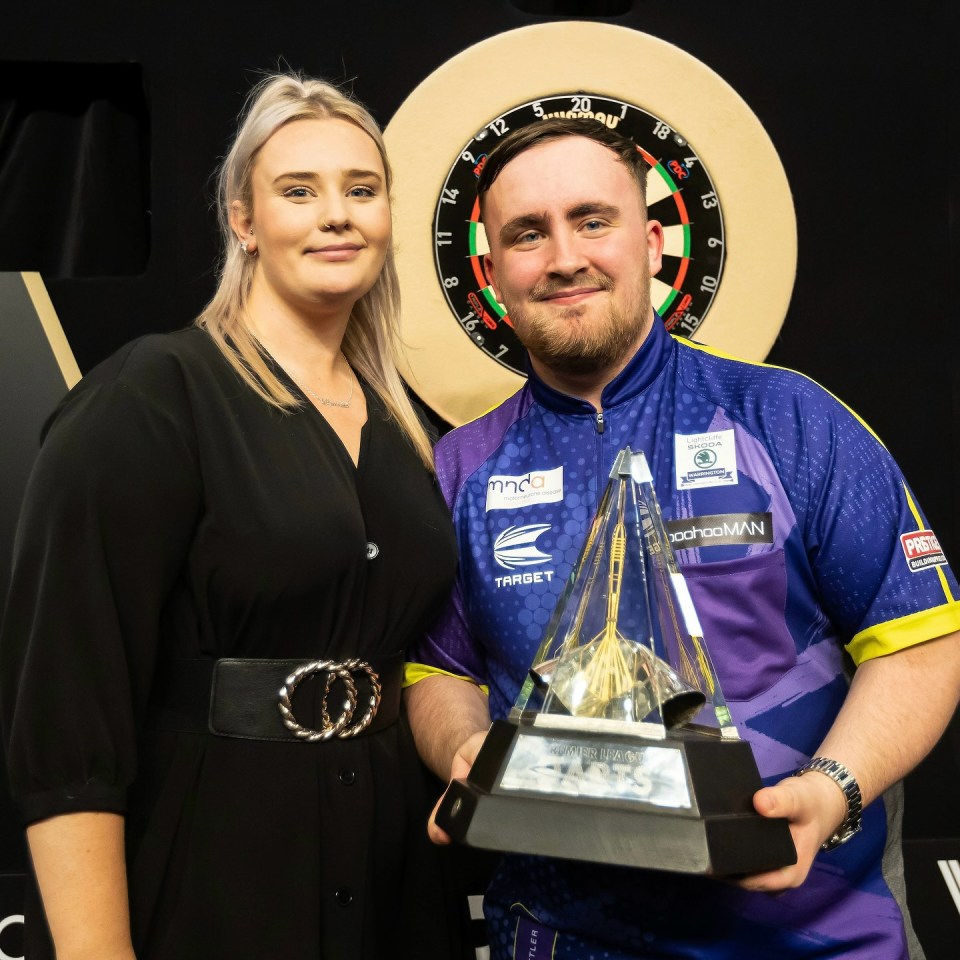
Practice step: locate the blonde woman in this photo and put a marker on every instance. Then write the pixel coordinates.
(230, 536)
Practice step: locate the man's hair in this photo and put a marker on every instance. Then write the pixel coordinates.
(543, 131)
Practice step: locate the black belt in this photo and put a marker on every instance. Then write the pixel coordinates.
(254, 699)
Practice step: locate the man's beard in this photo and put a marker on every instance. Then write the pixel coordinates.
(562, 342)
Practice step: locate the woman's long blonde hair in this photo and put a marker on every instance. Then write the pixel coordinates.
(371, 341)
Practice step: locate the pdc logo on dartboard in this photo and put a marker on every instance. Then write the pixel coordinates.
(922, 549)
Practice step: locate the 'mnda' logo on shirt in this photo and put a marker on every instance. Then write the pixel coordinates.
(513, 492)
(720, 530)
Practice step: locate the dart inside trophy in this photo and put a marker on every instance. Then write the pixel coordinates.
(620, 748)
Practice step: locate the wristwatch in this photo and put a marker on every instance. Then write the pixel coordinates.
(851, 790)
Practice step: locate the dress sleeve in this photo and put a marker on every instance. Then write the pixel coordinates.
(103, 535)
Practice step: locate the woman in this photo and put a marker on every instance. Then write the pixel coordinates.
(212, 512)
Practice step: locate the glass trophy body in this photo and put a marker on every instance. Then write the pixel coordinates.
(620, 747)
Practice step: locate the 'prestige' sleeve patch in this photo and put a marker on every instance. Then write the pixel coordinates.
(922, 549)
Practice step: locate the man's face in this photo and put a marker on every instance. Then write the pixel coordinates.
(571, 254)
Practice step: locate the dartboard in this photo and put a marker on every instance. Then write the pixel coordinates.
(715, 183)
(680, 195)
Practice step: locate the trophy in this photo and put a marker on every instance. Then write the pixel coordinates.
(620, 747)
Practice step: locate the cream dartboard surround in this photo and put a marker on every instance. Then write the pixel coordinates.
(716, 184)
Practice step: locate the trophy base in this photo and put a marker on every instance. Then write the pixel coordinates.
(704, 825)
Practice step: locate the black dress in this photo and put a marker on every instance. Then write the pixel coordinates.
(174, 514)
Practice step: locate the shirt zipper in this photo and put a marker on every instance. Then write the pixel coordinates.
(601, 425)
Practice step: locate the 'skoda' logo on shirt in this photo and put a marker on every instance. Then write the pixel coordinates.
(922, 549)
(517, 547)
(537, 486)
(705, 459)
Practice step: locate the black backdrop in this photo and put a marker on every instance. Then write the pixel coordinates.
(857, 101)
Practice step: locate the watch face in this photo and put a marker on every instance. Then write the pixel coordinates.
(715, 183)
(680, 195)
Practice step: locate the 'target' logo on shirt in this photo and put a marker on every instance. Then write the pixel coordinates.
(517, 547)
(537, 486)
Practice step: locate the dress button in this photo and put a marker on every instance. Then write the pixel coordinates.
(347, 777)
(344, 898)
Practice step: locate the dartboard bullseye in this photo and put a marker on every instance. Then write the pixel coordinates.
(680, 195)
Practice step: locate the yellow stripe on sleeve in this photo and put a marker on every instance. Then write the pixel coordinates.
(415, 672)
(894, 635)
(920, 526)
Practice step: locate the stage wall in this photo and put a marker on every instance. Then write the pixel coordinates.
(856, 102)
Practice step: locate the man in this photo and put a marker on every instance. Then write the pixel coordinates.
(846, 560)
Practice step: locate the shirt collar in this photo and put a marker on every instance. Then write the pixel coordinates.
(644, 367)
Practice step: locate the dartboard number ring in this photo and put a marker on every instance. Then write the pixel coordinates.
(680, 195)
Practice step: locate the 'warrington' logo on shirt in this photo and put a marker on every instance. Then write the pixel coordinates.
(705, 459)
(921, 550)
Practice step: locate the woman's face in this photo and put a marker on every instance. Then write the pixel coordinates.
(320, 223)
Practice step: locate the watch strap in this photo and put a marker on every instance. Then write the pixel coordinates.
(851, 790)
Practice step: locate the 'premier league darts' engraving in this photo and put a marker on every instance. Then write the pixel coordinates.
(620, 747)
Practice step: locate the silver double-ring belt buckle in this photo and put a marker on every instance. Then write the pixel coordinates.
(335, 671)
